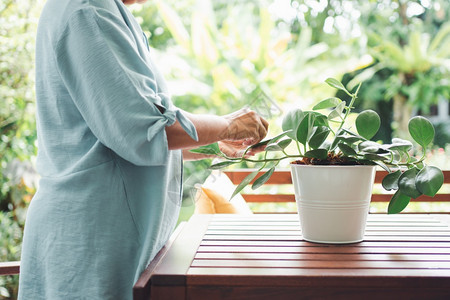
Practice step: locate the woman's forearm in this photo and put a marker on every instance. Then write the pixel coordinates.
(243, 127)
(209, 128)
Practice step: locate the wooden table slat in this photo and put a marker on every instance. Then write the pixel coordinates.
(225, 237)
(297, 228)
(411, 232)
(320, 264)
(265, 257)
(323, 256)
(234, 249)
(318, 272)
(295, 223)
(302, 243)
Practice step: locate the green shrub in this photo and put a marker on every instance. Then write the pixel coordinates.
(10, 245)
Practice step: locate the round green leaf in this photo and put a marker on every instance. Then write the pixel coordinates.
(390, 181)
(429, 180)
(421, 130)
(327, 103)
(407, 183)
(291, 121)
(367, 123)
(398, 203)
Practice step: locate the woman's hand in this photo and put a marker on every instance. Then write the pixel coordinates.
(237, 149)
(245, 128)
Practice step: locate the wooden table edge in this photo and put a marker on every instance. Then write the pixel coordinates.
(142, 285)
(185, 239)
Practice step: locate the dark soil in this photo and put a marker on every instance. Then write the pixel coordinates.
(332, 159)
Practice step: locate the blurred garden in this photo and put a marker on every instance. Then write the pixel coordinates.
(221, 55)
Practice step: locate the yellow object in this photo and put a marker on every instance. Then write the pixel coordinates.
(211, 202)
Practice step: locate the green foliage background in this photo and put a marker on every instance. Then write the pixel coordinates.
(220, 55)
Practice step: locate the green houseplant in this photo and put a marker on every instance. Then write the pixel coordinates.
(325, 137)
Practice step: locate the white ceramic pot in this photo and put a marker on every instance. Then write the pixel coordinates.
(333, 201)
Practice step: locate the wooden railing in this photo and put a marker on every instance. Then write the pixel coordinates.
(9, 268)
(281, 177)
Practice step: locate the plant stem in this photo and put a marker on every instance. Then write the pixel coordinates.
(271, 159)
(349, 108)
(298, 147)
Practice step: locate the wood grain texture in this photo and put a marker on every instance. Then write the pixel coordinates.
(265, 257)
(295, 293)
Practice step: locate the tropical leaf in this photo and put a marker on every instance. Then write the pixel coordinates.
(421, 130)
(327, 103)
(407, 183)
(429, 180)
(221, 165)
(440, 38)
(263, 178)
(319, 137)
(337, 112)
(390, 181)
(317, 153)
(346, 149)
(400, 145)
(174, 24)
(203, 46)
(305, 129)
(207, 149)
(336, 84)
(291, 121)
(245, 182)
(368, 123)
(398, 202)
(371, 147)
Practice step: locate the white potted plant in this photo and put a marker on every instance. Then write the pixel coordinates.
(334, 166)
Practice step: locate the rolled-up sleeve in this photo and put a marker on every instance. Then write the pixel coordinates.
(114, 87)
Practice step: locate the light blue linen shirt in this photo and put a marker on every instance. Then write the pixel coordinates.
(110, 188)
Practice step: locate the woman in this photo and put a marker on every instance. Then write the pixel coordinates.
(110, 154)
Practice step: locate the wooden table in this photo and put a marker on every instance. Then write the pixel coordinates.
(264, 257)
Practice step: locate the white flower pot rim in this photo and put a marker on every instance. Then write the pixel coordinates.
(333, 166)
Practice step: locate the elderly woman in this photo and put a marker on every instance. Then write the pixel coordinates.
(111, 145)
